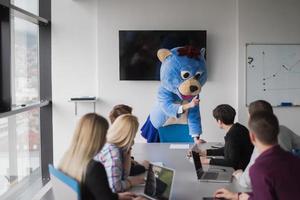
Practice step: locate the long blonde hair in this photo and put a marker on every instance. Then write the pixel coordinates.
(122, 132)
(88, 140)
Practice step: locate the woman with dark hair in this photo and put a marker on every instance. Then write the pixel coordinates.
(122, 109)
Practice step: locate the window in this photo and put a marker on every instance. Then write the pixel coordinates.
(4, 161)
(25, 64)
(31, 6)
(19, 148)
(25, 95)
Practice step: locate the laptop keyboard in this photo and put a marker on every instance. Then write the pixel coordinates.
(210, 175)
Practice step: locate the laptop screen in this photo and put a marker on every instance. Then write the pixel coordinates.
(197, 163)
(159, 182)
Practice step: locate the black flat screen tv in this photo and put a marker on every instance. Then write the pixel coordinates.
(137, 50)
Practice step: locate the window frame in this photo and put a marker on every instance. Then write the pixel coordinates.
(45, 104)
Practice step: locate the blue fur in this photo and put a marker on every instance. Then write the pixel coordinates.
(168, 95)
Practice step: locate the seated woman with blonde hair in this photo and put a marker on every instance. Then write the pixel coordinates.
(116, 153)
(78, 163)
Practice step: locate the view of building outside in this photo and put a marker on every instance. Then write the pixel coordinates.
(4, 161)
(20, 134)
(25, 76)
(28, 5)
(27, 143)
(19, 147)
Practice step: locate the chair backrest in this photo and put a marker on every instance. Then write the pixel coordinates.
(178, 133)
(63, 186)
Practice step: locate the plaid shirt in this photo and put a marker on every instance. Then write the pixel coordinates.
(111, 157)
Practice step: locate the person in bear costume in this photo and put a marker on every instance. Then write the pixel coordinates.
(182, 74)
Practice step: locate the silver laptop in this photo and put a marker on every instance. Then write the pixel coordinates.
(210, 176)
(159, 183)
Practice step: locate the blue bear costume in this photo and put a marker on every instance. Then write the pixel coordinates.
(182, 74)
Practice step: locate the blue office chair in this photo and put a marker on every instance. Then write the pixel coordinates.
(63, 186)
(178, 133)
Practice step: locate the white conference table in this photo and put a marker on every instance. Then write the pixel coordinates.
(186, 185)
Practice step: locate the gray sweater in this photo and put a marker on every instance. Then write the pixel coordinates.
(287, 139)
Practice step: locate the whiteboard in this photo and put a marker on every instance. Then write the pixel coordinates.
(273, 73)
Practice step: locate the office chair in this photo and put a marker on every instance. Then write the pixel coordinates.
(63, 186)
(178, 133)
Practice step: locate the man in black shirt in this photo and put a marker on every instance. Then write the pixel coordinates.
(238, 147)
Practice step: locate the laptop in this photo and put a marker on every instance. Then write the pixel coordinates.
(210, 176)
(159, 182)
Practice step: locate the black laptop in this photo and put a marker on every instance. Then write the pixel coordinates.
(210, 176)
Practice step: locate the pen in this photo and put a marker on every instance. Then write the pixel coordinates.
(286, 104)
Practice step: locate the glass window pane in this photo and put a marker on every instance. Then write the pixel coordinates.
(19, 148)
(4, 161)
(25, 62)
(28, 5)
(28, 142)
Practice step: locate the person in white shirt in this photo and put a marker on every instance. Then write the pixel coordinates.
(287, 140)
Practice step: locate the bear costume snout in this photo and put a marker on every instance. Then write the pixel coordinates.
(190, 87)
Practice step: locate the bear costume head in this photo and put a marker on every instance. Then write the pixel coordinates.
(183, 70)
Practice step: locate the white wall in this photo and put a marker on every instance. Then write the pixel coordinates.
(85, 56)
(74, 62)
(215, 16)
(267, 21)
(85, 53)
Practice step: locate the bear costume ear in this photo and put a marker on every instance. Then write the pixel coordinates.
(202, 52)
(162, 54)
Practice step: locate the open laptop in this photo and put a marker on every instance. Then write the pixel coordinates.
(210, 176)
(159, 182)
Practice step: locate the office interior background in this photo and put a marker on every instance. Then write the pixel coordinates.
(54, 50)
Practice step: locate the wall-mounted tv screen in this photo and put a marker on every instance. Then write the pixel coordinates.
(137, 49)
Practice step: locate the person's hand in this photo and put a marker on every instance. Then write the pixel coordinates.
(237, 174)
(126, 196)
(202, 152)
(244, 196)
(205, 161)
(136, 180)
(202, 141)
(195, 102)
(226, 194)
(197, 140)
(197, 149)
(145, 163)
